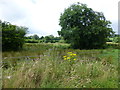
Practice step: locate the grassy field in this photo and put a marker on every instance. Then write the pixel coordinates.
(47, 67)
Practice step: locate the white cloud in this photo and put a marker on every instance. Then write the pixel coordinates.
(42, 16)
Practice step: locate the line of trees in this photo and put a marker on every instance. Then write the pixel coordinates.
(46, 39)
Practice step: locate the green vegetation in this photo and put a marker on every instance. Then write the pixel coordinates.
(84, 28)
(95, 68)
(47, 39)
(115, 38)
(12, 36)
(73, 60)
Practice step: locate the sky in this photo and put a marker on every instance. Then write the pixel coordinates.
(42, 16)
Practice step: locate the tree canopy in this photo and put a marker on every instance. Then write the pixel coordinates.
(84, 28)
(12, 36)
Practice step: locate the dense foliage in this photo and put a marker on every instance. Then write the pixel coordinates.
(12, 36)
(83, 27)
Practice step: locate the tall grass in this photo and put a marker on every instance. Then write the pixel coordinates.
(92, 69)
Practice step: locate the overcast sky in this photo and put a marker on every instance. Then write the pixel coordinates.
(42, 16)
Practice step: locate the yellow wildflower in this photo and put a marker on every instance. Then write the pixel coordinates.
(74, 59)
(74, 54)
(68, 57)
(64, 56)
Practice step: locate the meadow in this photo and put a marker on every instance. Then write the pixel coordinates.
(58, 66)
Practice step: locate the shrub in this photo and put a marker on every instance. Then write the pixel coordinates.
(13, 37)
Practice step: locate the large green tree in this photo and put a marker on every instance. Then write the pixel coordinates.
(13, 36)
(83, 27)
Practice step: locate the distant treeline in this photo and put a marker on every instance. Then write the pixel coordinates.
(43, 39)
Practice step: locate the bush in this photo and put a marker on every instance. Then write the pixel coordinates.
(13, 37)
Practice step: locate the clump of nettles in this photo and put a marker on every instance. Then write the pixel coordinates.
(70, 57)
